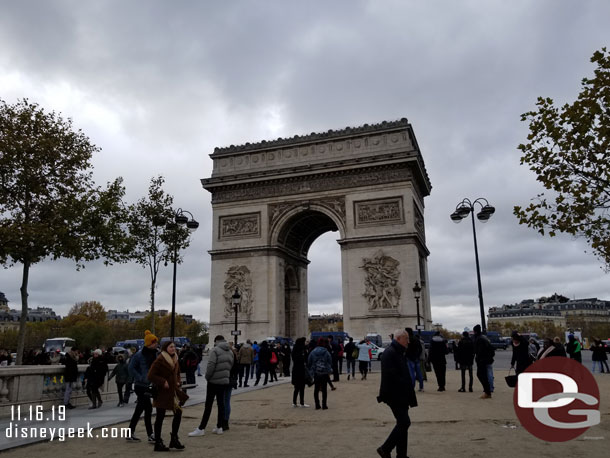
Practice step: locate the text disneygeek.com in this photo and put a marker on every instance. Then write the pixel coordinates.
(16, 431)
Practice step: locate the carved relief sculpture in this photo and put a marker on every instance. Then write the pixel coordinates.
(382, 290)
(419, 221)
(239, 226)
(238, 277)
(374, 212)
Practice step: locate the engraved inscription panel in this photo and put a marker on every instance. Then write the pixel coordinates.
(239, 226)
(379, 211)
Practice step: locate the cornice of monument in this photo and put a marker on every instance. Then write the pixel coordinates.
(314, 137)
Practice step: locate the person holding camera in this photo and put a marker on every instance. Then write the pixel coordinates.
(139, 365)
(164, 374)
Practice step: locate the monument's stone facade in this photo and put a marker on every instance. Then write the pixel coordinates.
(272, 199)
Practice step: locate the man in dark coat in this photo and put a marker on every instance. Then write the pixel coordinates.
(436, 356)
(484, 356)
(70, 374)
(334, 353)
(465, 357)
(396, 390)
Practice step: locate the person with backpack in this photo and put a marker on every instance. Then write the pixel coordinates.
(320, 363)
(484, 356)
(189, 360)
(245, 358)
(364, 358)
(121, 371)
(351, 355)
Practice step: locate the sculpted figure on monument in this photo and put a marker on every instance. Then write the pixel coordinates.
(381, 282)
(238, 277)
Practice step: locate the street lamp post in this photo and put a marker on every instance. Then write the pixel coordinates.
(417, 295)
(180, 218)
(462, 210)
(236, 300)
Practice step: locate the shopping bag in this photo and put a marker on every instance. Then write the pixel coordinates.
(511, 380)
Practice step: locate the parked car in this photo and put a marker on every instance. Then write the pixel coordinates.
(606, 344)
(376, 351)
(119, 351)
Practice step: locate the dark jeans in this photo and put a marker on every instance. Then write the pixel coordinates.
(399, 436)
(320, 385)
(482, 376)
(465, 368)
(300, 390)
(93, 392)
(340, 365)
(190, 375)
(218, 392)
(363, 366)
(159, 423)
(352, 363)
(119, 389)
(128, 390)
(440, 370)
(262, 370)
(273, 373)
(142, 405)
(335, 370)
(244, 368)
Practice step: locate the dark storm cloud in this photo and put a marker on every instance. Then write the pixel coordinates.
(159, 84)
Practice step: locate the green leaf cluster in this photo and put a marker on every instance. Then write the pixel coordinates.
(568, 149)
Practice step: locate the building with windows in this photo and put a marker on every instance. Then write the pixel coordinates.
(556, 309)
(9, 318)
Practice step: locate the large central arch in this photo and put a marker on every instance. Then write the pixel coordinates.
(272, 200)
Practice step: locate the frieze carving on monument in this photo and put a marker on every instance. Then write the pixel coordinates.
(419, 221)
(335, 204)
(378, 212)
(382, 289)
(323, 182)
(366, 128)
(238, 277)
(239, 226)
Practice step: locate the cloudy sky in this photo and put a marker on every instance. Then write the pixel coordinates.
(157, 85)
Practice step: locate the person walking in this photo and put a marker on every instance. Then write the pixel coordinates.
(598, 356)
(438, 350)
(320, 363)
(334, 354)
(95, 376)
(264, 362)
(217, 374)
(138, 370)
(396, 390)
(121, 371)
(414, 351)
(286, 357)
(484, 356)
(298, 372)
(573, 348)
(521, 353)
(364, 358)
(233, 376)
(190, 361)
(245, 358)
(465, 358)
(165, 375)
(351, 353)
(255, 369)
(274, 360)
(70, 374)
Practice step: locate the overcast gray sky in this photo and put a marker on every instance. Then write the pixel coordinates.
(157, 85)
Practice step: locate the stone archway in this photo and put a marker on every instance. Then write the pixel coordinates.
(271, 200)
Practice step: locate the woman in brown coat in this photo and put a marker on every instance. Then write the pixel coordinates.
(165, 375)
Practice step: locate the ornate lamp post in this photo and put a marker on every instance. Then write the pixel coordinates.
(417, 295)
(236, 300)
(180, 218)
(462, 210)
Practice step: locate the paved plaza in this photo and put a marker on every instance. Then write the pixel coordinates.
(264, 424)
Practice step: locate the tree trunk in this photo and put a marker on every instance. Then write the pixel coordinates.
(152, 306)
(24, 312)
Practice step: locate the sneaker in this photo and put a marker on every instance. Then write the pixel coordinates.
(333, 388)
(486, 396)
(217, 431)
(470, 389)
(294, 405)
(348, 376)
(304, 406)
(133, 438)
(151, 439)
(421, 390)
(383, 454)
(197, 432)
(461, 390)
(69, 406)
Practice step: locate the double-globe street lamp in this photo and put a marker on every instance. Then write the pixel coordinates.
(181, 219)
(462, 210)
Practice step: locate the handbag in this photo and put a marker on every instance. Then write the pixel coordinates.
(308, 377)
(511, 380)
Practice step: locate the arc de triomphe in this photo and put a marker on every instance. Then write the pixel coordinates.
(272, 199)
